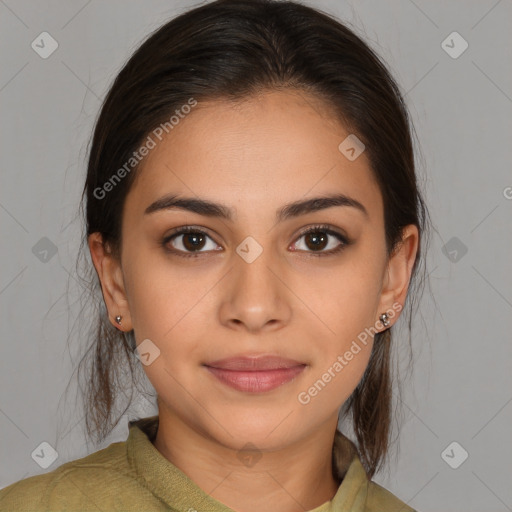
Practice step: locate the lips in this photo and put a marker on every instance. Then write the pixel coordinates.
(255, 363)
(255, 374)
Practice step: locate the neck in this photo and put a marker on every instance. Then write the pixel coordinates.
(297, 477)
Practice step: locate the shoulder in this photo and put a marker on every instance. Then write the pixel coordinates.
(379, 499)
(100, 479)
(357, 492)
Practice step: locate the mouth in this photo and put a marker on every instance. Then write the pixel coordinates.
(255, 374)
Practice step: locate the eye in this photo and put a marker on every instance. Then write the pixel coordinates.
(321, 237)
(187, 240)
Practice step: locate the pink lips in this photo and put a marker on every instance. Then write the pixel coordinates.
(255, 374)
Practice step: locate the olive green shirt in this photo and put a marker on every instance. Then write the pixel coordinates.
(133, 475)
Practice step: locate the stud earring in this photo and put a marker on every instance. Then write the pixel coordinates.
(118, 319)
(384, 318)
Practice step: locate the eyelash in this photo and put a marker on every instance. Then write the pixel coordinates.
(322, 228)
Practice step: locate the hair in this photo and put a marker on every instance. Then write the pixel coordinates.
(233, 50)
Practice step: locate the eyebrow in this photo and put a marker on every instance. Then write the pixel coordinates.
(288, 211)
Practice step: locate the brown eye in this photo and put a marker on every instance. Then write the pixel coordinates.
(189, 240)
(193, 241)
(321, 240)
(316, 240)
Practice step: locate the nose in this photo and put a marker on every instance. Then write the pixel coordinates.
(256, 297)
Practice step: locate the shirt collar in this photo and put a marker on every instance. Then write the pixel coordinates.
(176, 489)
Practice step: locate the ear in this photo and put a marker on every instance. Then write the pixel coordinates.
(110, 274)
(398, 275)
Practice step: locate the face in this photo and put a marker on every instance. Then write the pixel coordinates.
(251, 282)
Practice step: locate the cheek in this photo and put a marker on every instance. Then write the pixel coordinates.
(342, 302)
(332, 381)
(170, 306)
(159, 294)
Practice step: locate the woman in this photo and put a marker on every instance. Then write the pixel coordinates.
(254, 220)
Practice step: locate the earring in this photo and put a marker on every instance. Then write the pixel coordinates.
(384, 318)
(118, 319)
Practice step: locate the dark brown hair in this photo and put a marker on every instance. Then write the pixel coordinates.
(233, 49)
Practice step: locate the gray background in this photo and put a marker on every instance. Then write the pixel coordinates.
(461, 386)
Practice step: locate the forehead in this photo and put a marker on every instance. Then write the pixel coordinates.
(269, 149)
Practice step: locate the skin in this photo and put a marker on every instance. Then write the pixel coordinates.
(253, 156)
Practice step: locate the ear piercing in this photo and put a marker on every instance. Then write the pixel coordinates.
(118, 319)
(384, 318)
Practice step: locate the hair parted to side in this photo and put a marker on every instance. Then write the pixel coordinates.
(234, 49)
